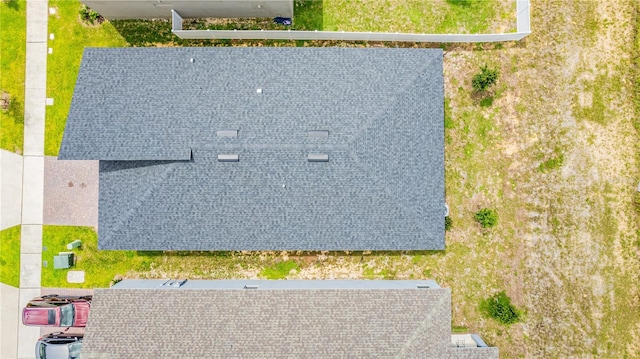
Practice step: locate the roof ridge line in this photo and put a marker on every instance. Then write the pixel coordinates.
(384, 108)
(423, 324)
(254, 146)
(145, 196)
(371, 174)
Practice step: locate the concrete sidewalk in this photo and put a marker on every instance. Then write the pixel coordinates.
(9, 321)
(33, 168)
(10, 189)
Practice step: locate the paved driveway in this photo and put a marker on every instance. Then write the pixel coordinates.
(70, 192)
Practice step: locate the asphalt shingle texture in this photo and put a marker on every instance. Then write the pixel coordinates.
(151, 116)
(317, 323)
(474, 353)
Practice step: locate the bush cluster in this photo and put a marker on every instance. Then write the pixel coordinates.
(499, 307)
(484, 79)
(486, 217)
(89, 15)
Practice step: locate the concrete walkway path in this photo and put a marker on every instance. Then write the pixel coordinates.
(10, 189)
(9, 319)
(33, 168)
(70, 192)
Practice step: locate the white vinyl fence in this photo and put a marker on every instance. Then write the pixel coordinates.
(523, 28)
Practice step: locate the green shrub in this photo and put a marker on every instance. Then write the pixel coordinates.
(484, 79)
(447, 223)
(486, 217)
(499, 307)
(89, 15)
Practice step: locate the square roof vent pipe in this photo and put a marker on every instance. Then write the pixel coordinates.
(227, 133)
(228, 158)
(318, 157)
(318, 133)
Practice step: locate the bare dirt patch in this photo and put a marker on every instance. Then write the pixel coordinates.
(5, 100)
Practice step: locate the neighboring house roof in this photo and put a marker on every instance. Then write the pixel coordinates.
(220, 319)
(474, 353)
(156, 9)
(152, 117)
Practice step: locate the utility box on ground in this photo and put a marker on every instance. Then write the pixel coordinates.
(63, 260)
(75, 244)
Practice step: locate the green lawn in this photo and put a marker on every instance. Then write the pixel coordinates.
(12, 65)
(100, 266)
(10, 256)
(71, 37)
(414, 16)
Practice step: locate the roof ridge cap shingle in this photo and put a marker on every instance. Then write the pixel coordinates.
(383, 109)
(423, 325)
(145, 196)
(367, 170)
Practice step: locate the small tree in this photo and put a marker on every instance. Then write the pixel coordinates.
(484, 79)
(486, 217)
(499, 307)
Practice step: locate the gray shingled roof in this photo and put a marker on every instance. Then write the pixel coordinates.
(151, 116)
(474, 353)
(269, 323)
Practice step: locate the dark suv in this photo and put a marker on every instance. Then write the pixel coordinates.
(57, 311)
(59, 346)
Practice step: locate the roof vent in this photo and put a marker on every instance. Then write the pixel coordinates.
(318, 133)
(192, 60)
(423, 286)
(227, 133)
(250, 286)
(258, 90)
(174, 283)
(318, 157)
(228, 158)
